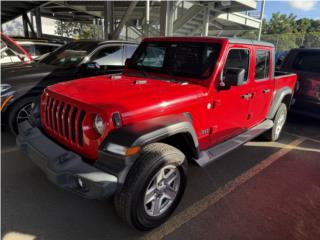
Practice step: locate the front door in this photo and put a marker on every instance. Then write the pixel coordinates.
(231, 106)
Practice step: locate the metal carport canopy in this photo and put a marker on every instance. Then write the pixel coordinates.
(13, 9)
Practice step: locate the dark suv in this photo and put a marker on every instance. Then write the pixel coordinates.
(21, 83)
(305, 62)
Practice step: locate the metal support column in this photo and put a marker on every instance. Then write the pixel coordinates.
(38, 22)
(205, 23)
(125, 18)
(27, 20)
(25, 26)
(147, 18)
(107, 24)
(261, 18)
(166, 18)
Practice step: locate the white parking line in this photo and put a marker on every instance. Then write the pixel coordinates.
(9, 150)
(299, 136)
(195, 209)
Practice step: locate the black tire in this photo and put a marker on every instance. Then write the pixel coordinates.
(13, 114)
(130, 201)
(273, 134)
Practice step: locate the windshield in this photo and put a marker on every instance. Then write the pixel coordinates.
(187, 59)
(70, 55)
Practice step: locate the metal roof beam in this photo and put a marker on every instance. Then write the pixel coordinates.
(124, 20)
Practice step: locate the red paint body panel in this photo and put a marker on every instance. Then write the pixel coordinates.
(217, 115)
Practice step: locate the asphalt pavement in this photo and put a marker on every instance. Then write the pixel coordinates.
(259, 191)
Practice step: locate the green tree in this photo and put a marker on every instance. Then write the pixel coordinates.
(281, 23)
(303, 25)
(74, 30)
(314, 26)
(67, 29)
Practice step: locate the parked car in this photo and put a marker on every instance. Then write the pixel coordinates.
(20, 83)
(12, 52)
(305, 62)
(37, 47)
(131, 136)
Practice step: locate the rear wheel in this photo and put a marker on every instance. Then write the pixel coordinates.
(154, 186)
(279, 120)
(20, 112)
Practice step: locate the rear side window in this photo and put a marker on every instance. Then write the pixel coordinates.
(42, 49)
(307, 61)
(109, 56)
(262, 64)
(238, 58)
(29, 48)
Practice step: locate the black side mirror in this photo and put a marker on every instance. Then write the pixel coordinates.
(233, 77)
(90, 67)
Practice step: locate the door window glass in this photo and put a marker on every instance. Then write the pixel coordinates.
(42, 49)
(262, 64)
(308, 61)
(130, 50)
(109, 56)
(29, 48)
(238, 58)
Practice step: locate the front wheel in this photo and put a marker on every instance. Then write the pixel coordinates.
(154, 186)
(21, 111)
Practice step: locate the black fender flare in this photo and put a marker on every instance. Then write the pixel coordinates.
(141, 134)
(278, 99)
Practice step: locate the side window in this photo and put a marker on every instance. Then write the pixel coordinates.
(130, 50)
(307, 61)
(262, 64)
(42, 49)
(109, 56)
(152, 57)
(29, 49)
(239, 58)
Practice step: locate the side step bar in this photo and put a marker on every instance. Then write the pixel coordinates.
(211, 154)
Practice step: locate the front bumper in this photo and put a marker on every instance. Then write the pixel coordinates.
(65, 168)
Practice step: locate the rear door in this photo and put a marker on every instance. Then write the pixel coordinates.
(262, 85)
(231, 106)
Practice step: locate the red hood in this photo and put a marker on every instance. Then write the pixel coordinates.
(128, 95)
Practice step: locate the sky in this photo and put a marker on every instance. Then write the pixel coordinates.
(300, 8)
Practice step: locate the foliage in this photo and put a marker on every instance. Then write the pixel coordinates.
(281, 23)
(285, 32)
(74, 30)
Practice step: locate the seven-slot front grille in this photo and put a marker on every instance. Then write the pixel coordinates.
(64, 119)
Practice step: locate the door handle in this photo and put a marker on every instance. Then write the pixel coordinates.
(266, 90)
(247, 96)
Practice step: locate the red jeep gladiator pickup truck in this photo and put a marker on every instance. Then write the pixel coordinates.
(131, 136)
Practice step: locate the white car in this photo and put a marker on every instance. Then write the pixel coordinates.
(38, 48)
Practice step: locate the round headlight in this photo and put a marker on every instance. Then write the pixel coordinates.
(98, 124)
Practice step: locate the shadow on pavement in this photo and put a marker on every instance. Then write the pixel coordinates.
(32, 205)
